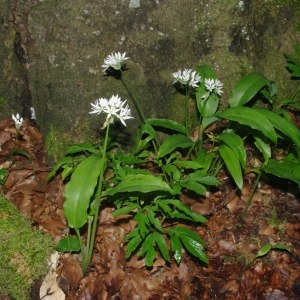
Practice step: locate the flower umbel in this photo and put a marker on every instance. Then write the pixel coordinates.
(114, 107)
(114, 60)
(18, 120)
(213, 85)
(187, 76)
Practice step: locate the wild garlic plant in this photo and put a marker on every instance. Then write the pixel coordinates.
(148, 183)
(86, 165)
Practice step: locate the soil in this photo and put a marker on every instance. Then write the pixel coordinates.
(232, 243)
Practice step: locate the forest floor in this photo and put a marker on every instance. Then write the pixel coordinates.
(233, 271)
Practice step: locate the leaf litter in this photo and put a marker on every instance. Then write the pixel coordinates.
(233, 271)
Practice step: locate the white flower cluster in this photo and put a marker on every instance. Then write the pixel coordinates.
(187, 76)
(114, 60)
(18, 120)
(213, 85)
(114, 108)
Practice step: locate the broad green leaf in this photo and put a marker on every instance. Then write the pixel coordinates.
(205, 159)
(283, 125)
(208, 121)
(188, 164)
(176, 247)
(232, 163)
(285, 168)
(210, 106)
(141, 183)
(236, 143)
(162, 245)
(173, 142)
(194, 186)
(202, 178)
(194, 247)
(168, 124)
(68, 244)
(206, 71)
(264, 148)
(80, 190)
(246, 89)
(252, 118)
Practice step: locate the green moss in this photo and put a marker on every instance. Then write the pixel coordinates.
(24, 253)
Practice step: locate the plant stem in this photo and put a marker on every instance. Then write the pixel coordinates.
(251, 196)
(155, 142)
(186, 109)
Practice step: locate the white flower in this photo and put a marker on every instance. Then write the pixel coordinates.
(218, 87)
(209, 84)
(18, 120)
(195, 79)
(113, 108)
(213, 85)
(187, 76)
(114, 60)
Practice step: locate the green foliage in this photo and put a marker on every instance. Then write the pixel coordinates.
(24, 253)
(147, 185)
(265, 249)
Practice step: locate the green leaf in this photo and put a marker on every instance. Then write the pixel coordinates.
(208, 121)
(265, 249)
(199, 177)
(285, 168)
(68, 244)
(153, 220)
(21, 152)
(168, 124)
(80, 189)
(191, 241)
(232, 163)
(194, 186)
(283, 125)
(263, 147)
(210, 106)
(176, 247)
(246, 89)
(236, 143)
(82, 148)
(135, 240)
(188, 164)
(64, 161)
(140, 183)
(147, 249)
(173, 142)
(145, 130)
(194, 247)
(206, 71)
(162, 245)
(250, 117)
(125, 210)
(144, 226)
(182, 211)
